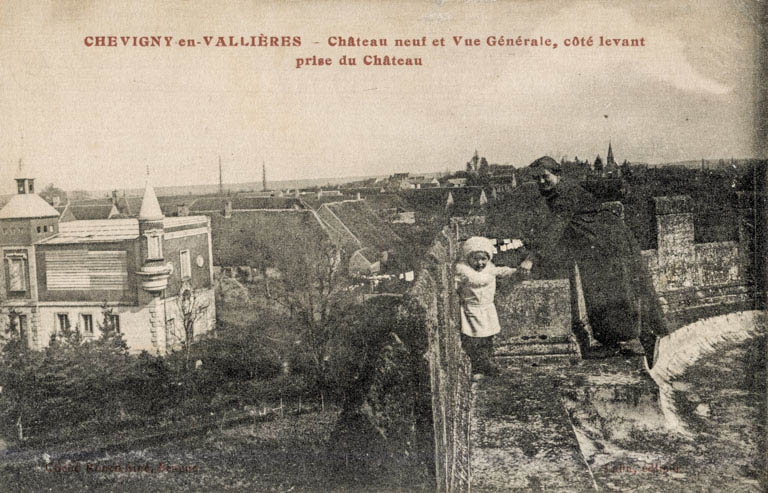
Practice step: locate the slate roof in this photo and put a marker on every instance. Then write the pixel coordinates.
(369, 254)
(170, 204)
(237, 240)
(106, 230)
(175, 222)
(28, 205)
(433, 200)
(379, 201)
(91, 212)
(360, 222)
(216, 204)
(129, 206)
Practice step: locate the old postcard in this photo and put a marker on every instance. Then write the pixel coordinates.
(414, 245)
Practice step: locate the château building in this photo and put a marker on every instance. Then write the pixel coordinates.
(144, 275)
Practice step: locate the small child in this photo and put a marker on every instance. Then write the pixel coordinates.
(476, 284)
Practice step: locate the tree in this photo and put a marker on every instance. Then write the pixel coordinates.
(51, 191)
(75, 380)
(626, 170)
(190, 309)
(598, 164)
(472, 165)
(484, 169)
(313, 287)
(17, 374)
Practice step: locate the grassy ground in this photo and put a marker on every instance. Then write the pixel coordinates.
(293, 453)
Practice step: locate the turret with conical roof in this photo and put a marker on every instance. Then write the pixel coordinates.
(150, 207)
(154, 272)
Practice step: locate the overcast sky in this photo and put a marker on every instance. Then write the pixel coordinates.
(95, 118)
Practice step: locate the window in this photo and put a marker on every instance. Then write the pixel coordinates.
(170, 332)
(18, 324)
(62, 321)
(114, 320)
(154, 246)
(16, 273)
(39, 229)
(86, 322)
(21, 320)
(186, 268)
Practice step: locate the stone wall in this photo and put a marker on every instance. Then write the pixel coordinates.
(536, 323)
(694, 280)
(465, 226)
(449, 367)
(535, 318)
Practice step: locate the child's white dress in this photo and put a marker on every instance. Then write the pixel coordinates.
(476, 292)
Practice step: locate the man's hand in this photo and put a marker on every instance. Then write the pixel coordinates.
(527, 265)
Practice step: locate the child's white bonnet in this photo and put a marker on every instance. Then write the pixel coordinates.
(477, 244)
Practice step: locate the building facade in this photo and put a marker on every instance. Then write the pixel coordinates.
(147, 276)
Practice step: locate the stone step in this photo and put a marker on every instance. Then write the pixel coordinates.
(535, 349)
(537, 359)
(521, 435)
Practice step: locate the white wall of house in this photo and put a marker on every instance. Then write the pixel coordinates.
(142, 327)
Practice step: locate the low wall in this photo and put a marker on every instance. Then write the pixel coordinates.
(693, 280)
(684, 347)
(450, 378)
(532, 314)
(535, 318)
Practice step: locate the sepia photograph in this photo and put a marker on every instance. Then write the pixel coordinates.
(416, 245)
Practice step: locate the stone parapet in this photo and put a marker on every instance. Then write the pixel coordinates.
(690, 277)
(675, 204)
(433, 296)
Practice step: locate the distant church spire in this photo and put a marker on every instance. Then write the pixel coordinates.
(609, 160)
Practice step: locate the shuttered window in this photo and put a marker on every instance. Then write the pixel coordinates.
(16, 269)
(86, 270)
(186, 266)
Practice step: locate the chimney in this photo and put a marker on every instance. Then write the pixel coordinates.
(228, 209)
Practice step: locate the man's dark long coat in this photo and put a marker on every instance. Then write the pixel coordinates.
(620, 299)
